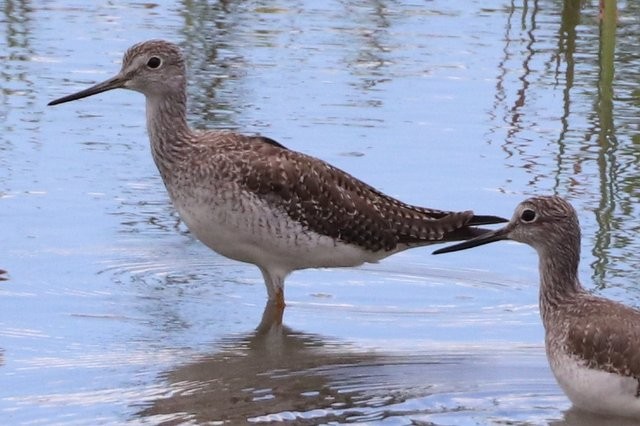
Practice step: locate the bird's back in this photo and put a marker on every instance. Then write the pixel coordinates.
(322, 198)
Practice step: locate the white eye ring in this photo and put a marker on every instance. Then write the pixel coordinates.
(528, 215)
(154, 62)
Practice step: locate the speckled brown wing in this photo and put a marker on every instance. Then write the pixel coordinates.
(606, 335)
(329, 201)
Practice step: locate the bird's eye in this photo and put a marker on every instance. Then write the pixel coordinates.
(528, 215)
(154, 62)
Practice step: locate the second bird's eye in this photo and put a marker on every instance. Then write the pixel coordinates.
(528, 215)
(154, 62)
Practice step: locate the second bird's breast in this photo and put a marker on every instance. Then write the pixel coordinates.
(593, 389)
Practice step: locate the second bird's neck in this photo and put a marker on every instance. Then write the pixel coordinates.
(559, 283)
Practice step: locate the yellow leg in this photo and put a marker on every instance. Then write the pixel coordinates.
(274, 280)
(271, 318)
(280, 299)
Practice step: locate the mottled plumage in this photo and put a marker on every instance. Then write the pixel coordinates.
(251, 199)
(593, 344)
(609, 340)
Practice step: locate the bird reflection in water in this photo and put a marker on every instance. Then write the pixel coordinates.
(273, 371)
(576, 417)
(278, 374)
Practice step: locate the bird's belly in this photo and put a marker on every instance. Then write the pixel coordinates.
(253, 231)
(596, 390)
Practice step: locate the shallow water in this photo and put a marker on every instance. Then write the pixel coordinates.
(112, 313)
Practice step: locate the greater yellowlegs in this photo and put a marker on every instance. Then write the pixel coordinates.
(251, 199)
(593, 344)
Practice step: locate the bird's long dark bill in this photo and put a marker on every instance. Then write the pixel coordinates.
(113, 83)
(486, 238)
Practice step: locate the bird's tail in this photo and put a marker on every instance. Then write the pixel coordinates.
(486, 220)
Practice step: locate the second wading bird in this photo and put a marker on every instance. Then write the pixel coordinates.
(592, 343)
(251, 199)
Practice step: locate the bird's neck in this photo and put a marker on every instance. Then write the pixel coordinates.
(559, 283)
(168, 130)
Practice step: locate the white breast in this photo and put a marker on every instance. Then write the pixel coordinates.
(246, 228)
(595, 390)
